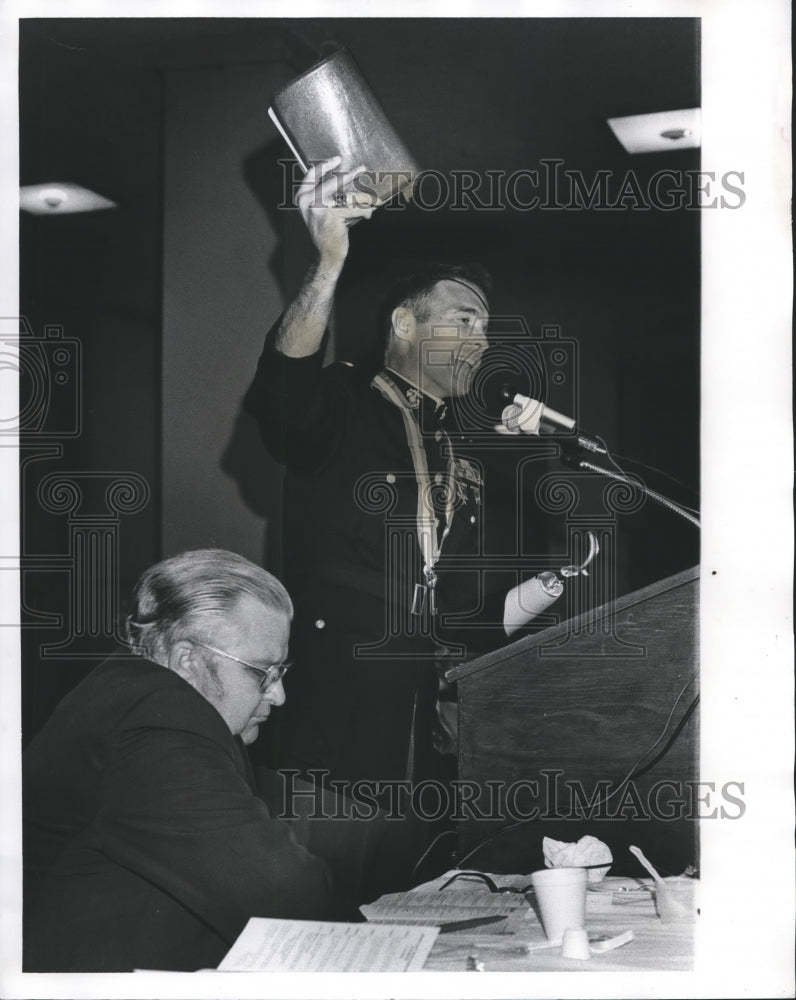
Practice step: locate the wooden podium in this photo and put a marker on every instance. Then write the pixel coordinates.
(551, 727)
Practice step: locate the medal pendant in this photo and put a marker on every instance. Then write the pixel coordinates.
(419, 599)
(431, 583)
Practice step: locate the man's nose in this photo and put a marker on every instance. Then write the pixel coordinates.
(274, 694)
(477, 335)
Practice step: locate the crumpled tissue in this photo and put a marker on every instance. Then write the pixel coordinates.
(586, 851)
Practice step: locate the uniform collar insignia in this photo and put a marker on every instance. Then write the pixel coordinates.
(413, 394)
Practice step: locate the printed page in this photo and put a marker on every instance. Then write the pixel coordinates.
(319, 946)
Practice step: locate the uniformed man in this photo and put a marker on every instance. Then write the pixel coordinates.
(377, 505)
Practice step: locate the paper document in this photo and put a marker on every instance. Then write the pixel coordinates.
(318, 946)
(441, 907)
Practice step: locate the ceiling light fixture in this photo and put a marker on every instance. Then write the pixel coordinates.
(60, 198)
(675, 133)
(659, 132)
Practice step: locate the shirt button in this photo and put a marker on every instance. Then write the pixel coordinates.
(472, 519)
(320, 623)
(390, 477)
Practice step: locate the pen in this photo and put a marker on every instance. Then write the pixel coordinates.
(456, 925)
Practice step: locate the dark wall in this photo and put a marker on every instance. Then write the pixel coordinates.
(97, 278)
(223, 287)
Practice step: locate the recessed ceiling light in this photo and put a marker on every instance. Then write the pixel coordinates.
(658, 132)
(61, 199)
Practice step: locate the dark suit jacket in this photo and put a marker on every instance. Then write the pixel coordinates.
(145, 843)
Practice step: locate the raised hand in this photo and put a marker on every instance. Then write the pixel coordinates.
(329, 206)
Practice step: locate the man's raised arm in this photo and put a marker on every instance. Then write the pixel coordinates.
(301, 331)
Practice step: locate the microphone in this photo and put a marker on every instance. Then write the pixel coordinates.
(524, 415)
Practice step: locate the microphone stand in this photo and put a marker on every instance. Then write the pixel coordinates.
(528, 416)
(571, 455)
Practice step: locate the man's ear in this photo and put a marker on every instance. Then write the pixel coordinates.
(403, 323)
(184, 660)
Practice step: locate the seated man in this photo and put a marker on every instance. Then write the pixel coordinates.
(146, 844)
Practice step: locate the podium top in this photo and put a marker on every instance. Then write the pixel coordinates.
(530, 642)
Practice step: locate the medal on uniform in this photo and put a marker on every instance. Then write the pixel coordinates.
(425, 594)
(419, 599)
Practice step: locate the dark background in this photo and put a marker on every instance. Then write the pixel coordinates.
(150, 113)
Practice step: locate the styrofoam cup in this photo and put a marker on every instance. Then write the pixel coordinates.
(561, 898)
(675, 900)
(575, 944)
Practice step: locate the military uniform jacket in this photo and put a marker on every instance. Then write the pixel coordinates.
(350, 498)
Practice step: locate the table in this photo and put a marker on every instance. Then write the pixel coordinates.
(655, 946)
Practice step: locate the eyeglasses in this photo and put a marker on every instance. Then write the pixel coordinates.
(487, 881)
(267, 676)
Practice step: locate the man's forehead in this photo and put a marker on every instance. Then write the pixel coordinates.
(250, 613)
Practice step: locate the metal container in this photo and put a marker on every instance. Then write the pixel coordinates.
(331, 111)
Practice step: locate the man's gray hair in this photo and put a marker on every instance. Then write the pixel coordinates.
(190, 593)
